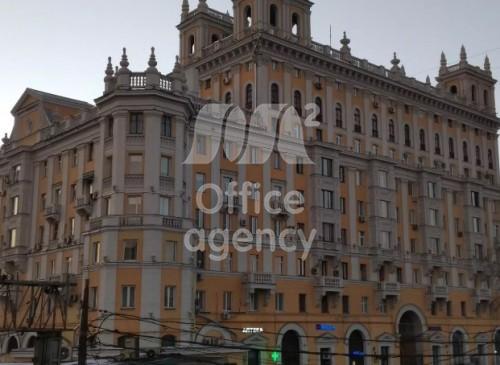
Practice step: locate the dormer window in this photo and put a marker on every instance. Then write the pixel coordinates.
(486, 98)
(454, 90)
(473, 93)
(295, 24)
(273, 15)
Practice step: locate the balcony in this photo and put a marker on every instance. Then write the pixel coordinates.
(439, 292)
(328, 284)
(172, 222)
(278, 207)
(483, 295)
(389, 289)
(260, 281)
(14, 258)
(231, 204)
(83, 206)
(134, 181)
(167, 184)
(53, 213)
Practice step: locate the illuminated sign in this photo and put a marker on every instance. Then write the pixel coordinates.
(325, 327)
(252, 330)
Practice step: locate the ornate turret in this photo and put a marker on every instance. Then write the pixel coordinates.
(124, 63)
(152, 62)
(123, 74)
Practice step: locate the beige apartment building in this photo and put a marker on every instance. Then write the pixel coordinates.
(404, 193)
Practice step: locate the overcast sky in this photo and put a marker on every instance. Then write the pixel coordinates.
(61, 46)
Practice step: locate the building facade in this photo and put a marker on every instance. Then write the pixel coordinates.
(404, 194)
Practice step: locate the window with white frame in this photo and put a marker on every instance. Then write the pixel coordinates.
(228, 301)
(383, 179)
(476, 224)
(128, 296)
(384, 208)
(433, 217)
(327, 199)
(169, 300)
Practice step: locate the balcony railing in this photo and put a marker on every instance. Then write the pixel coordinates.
(53, 212)
(260, 281)
(172, 222)
(167, 183)
(83, 206)
(483, 295)
(439, 292)
(389, 289)
(329, 284)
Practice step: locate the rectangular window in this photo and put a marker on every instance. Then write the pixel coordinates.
(14, 205)
(16, 172)
(383, 179)
(326, 167)
(166, 126)
(433, 217)
(302, 303)
(384, 355)
(200, 301)
(463, 309)
(361, 238)
(201, 144)
(342, 174)
(345, 304)
(474, 197)
(342, 205)
(301, 267)
(363, 272)
(169, 297)
(165, 164)
(128, 296)
(135, 164)
(12, 237)
(299, 167)
(227, 301)
(364, 305)
(136, 123)
(134, 204)
(345, 271)
(170, 253)
(93, 297)
(253, 224)
(164, 206)
(279, 300)
(327, 199)
(385, 240)
(384, 208)
(328, 232)
(279, 265)
(432, 190)
(199, 181)
(71, 226)
(130, 250)
(96, 252)
(476, 225)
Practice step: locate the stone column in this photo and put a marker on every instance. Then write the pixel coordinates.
(120, 130)
(152, 155)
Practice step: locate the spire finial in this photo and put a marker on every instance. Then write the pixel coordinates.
(345, 41)
(428, 80)
(487, 65)
(109, 69)
(444, 62)
(345, 50)
(124, 62)
(463, 54)
(152, 61)
(395, 60)
(403, 71)
(185, 8)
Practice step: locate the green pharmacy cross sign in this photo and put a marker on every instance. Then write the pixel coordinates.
(275, 356)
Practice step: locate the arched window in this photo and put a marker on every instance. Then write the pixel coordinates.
(273, 15)
(458, 348)
(249, 97)
(490, 159)
(247, 14)
(215, 38)
(168, 341)
(12, 344)
(465, 151)
(31, 342)
(191, 44)
(407, 136)
(454, 90)
(451, 147)
(319, 104)
(297, 102)
(295, 24)
(275, 94)
(356, 347)
(357, 121)
(486, 98)
(473, 93)
(478, 156)
(392, 131)
(422, 140)
(228, 98)
(339, 122)
(374, 126)
(437, 144)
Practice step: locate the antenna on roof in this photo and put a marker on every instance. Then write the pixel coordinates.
(330, 36)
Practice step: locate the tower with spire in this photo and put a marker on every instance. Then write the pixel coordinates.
(468, 83)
